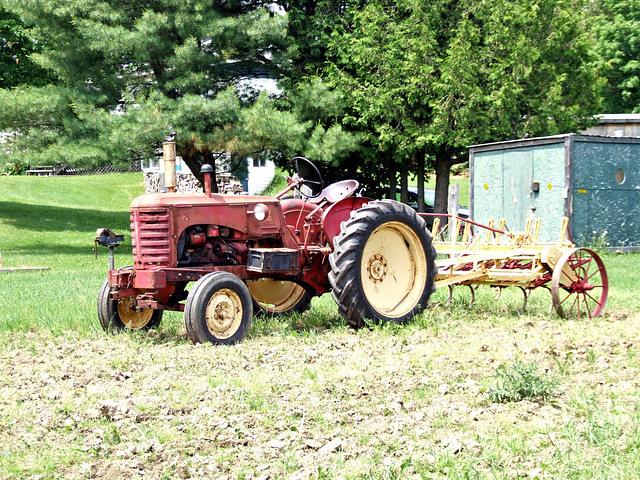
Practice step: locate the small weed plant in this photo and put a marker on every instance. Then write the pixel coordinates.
(521, 381)
(598, 242)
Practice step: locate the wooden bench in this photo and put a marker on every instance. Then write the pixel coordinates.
(41, 171)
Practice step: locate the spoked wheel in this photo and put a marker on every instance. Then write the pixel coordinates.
(579, 285)
(122, 313)
(278, 297)
(218, 310)
(383, 264)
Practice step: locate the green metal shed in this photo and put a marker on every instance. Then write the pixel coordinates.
(593, 180)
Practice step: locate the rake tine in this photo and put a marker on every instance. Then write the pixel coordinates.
(526, 294)
(497, 297)
(450, 297)
(473, 296)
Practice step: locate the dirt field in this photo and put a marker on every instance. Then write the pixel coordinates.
(383, 403)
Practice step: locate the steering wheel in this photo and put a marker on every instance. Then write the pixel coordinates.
(309, 176)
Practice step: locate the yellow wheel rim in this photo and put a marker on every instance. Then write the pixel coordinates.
(132, 317)
(224, 313)
(393, 269)
(275, 296)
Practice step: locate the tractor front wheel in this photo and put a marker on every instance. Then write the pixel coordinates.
(383, 264)
(122, 313)
(218, 310)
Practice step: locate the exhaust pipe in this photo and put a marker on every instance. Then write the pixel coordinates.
(169, 158)
(206, 171)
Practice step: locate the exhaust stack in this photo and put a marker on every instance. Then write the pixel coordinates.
(169, 157)
(206, 171)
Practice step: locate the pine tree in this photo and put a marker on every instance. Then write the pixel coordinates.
(128, 72)
(430, 77)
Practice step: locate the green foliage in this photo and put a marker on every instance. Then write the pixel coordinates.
(618, 49)
(310, 24)
(521, 381)
(129, 73)
(433, 77)
(11, 168)
(16, 48)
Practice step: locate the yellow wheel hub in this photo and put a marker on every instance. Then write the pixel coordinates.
(275, 296)
(393, 269)
(224, 313)
(132, 317)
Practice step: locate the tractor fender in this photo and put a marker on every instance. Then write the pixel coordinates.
(339, 212)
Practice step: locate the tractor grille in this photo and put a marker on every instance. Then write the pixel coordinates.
(151, 237)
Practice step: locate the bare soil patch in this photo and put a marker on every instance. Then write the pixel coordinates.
(383, 403)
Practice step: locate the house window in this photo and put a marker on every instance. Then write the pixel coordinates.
(259, 162)
(150, 163)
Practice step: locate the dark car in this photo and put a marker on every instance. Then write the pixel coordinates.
(429, 200)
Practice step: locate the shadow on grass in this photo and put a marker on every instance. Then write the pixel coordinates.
(59, 219)
(47, 249)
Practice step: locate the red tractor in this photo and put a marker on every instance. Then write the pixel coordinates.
(246, 253)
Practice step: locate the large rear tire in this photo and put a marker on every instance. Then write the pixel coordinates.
(218, 310)
(278, 297)
(121, 314)
(383, 264)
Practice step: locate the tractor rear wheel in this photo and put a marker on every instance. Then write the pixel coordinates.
(218, 309)
(122, 313)
(278, 297)
(383, 264)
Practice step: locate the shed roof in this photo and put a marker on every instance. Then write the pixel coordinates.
(529, 142)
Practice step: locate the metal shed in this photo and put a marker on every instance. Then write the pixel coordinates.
(593, 180)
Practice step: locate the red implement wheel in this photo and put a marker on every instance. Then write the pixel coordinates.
(579, 285)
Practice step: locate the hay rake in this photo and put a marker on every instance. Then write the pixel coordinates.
(471, 254)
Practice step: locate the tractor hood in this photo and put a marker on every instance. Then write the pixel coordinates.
(154, 200)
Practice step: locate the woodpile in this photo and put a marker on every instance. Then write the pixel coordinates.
(187, 183)
(151, 182)
(228, 184)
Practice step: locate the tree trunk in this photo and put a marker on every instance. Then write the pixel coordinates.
(420, 170)
(194, 165)
(443, 169)
(404, 192)
(393, 184)
(191, 159)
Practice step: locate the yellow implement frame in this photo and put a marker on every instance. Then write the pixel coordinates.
(473, 254)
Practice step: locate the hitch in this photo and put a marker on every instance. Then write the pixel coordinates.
(107, 238)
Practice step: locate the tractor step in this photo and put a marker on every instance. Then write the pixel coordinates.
(282, 260)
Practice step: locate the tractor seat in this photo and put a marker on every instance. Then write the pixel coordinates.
(336, 191)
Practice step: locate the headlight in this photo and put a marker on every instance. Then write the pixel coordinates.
(260, 212)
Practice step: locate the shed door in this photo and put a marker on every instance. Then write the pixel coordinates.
(548, 203)
(517, 176)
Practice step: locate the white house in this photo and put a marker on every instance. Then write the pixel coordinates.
(259, 174)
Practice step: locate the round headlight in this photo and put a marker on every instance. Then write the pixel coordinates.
(260, 212)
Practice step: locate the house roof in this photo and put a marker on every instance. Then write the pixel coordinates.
(619, 118)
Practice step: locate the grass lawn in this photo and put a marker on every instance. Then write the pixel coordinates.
(457, 393)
